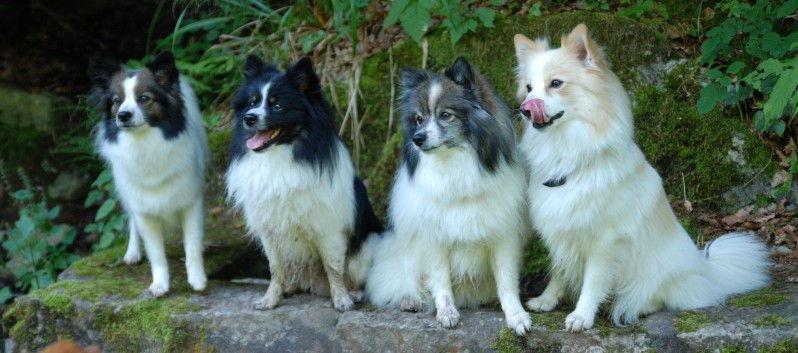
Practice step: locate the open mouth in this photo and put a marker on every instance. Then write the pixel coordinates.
(263, 139)
(540, 123)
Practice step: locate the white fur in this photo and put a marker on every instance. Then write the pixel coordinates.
(609, 229)
(160, 183)
(459, 234)
(302, 219)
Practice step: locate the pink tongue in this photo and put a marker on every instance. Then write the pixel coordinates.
(537, 112)
(257, 141)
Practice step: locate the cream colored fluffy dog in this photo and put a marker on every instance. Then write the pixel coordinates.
(598, 204)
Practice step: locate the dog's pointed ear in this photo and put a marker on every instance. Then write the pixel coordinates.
(101, 70)
(524, 47)
(461, 73)
(256, 67)
(302, 73)
(164, 69)
(585, 49)
(409, 79)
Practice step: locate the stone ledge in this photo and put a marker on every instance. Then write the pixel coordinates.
(222, 320)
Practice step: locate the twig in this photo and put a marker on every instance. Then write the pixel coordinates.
(392, 73)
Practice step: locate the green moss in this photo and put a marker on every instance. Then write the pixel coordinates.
(767, 296)
(507, 341)
(551, 321)
(150, 320)
(771, 320)
(59, 304)
(691, 152)
(733, 348)
(691, 321)
(785, 346)
(606, 329)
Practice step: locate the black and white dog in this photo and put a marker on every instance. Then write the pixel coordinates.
(152, 135)
(457, 206)
(293, 179)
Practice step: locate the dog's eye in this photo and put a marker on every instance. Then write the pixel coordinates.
(528, 88)
(117, 100)
(556, 83)
(446, 116)
(143, 99)
(277, 106)
(252, 101)
(419, 120)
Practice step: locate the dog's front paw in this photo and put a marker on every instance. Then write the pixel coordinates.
(132, 256)
(520, 323)
(412, 305)
(197, 280)
(576, 322)
(448, 316)
(343, 303)
(158, 289)
(268, 302)
(541, 304)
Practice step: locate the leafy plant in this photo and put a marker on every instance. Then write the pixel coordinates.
(109, 222)
(37, 248)
(752, 63)
(415, 17)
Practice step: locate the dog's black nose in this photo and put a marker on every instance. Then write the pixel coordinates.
(250, 119)
(124, 116)
(419, 138)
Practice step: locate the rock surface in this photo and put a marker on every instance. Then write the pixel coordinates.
(221, 319)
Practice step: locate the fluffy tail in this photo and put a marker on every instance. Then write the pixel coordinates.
(394, 278)
(359, 263)
(734, 263)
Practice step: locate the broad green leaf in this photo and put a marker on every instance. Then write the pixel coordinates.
(735, 67)
(711, 94)
(486, 16)
(397, 7)
(105, 209)
(415, 20)
(787, 9)
(25, 226)
(781, 94)
(772, 44)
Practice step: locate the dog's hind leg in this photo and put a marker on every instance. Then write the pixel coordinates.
(133, 253)
(547, 300)
(193, 233)
(152, 233)
(277, 268)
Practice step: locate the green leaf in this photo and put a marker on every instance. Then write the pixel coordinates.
(415, 20)
(711, 94)
(397, 8)
(93, 197)
(788, 8)
(25, 226)
(534, 10)
(105, 209)
(772, 43)
(486, 16)
(735, 67)
(781, 94)
(5, 294)
(106, 240)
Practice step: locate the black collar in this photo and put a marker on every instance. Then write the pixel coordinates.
(553, 183)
